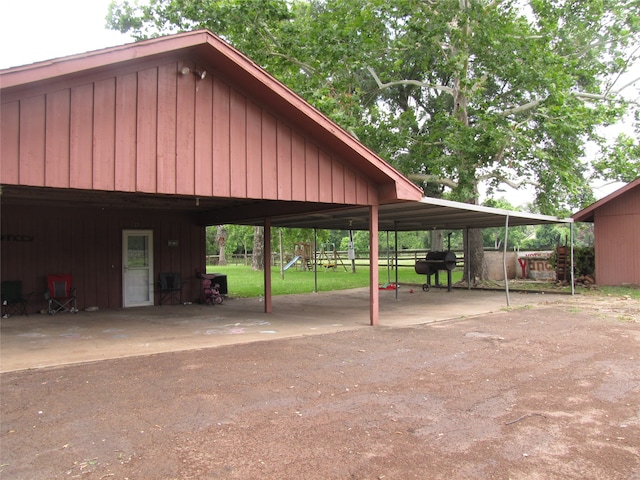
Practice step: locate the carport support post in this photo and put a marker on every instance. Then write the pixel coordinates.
(374, 294)
(267, 265)
(504, 259)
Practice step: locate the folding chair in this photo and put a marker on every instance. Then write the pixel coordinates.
(13, 301)
(61, 294)
(170, 287)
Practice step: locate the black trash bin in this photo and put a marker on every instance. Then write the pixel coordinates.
(220, 279)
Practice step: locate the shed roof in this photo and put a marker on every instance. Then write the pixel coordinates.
(587, 214)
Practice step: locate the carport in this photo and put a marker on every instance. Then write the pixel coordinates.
(427, 214)
(156, 140)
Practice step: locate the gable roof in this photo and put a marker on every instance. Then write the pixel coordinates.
(238, 68)
(587, 214)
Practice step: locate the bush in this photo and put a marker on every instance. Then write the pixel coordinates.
(584, 261)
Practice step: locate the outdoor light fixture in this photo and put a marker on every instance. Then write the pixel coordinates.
(200, 74)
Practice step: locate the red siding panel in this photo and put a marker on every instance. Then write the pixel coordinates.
(617, 240)
(254, 151)
(238, 145)
(166, 136)
(337, 178)
(146, 128)
(284, 161)
(125, 132)
(57, 139)
(350, 196)
(269, 158)
(185, 138)
(362, 191)
(312, 172)
(221, 153)
(105, 134)
(10, 143)
(32, 138)
(298, 163)
(91, 249)
(203, 141)
(81, 133)
(324, 169)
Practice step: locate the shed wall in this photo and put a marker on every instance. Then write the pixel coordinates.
(37, 241)
(617, 240)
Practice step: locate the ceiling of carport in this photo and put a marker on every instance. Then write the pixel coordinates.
(428, 214)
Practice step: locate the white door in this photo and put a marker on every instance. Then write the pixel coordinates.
(137, 267)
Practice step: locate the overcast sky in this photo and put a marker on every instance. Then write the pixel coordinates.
(35, 30)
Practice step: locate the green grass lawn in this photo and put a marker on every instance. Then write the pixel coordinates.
(244, 282)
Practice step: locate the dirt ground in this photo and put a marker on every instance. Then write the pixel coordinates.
(549, 391)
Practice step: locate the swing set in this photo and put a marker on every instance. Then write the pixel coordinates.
(329, 257)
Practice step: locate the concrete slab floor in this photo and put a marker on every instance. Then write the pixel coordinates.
(40, 340)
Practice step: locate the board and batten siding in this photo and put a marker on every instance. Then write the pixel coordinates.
(87, 242)
(617, 240)
(157, 131)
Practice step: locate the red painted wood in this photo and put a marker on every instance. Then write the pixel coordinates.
(254, 151)
(324, 171)
(9, 143)
(146, 128)
(374, 292)
(337, 179)
(312, 172)
(283, 145)
(221, 135)
(88, 244)
(81, 133)
(126, 133)
(350, 182)
(269, 159)
(203, 140)
(57, 153)
(187, 89)
(32, 135)
(166, 136)
(238, 145)
(617, 240)
(105, 133)
(298, 166)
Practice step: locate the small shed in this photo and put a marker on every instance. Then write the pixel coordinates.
(616, 220)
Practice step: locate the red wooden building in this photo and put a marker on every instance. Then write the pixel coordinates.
(616, 220)
(114, 161)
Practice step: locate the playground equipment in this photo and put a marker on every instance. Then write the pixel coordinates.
(302, 254)
(329, 257)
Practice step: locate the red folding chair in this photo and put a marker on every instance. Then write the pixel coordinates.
(61, 294)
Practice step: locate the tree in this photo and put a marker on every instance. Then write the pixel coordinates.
(454, 93)
(221, 238)
(258, 259)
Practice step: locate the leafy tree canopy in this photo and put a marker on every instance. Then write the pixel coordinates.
(452, 92)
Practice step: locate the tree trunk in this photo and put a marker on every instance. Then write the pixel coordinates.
(436, 240)
(221, 237)
(257, 262)
(474, 256)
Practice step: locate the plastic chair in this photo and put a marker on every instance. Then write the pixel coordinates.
(13, 301)
(170, 287)
(61, 294)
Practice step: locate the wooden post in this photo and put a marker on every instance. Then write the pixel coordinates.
(374, 294)
(267, 265)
